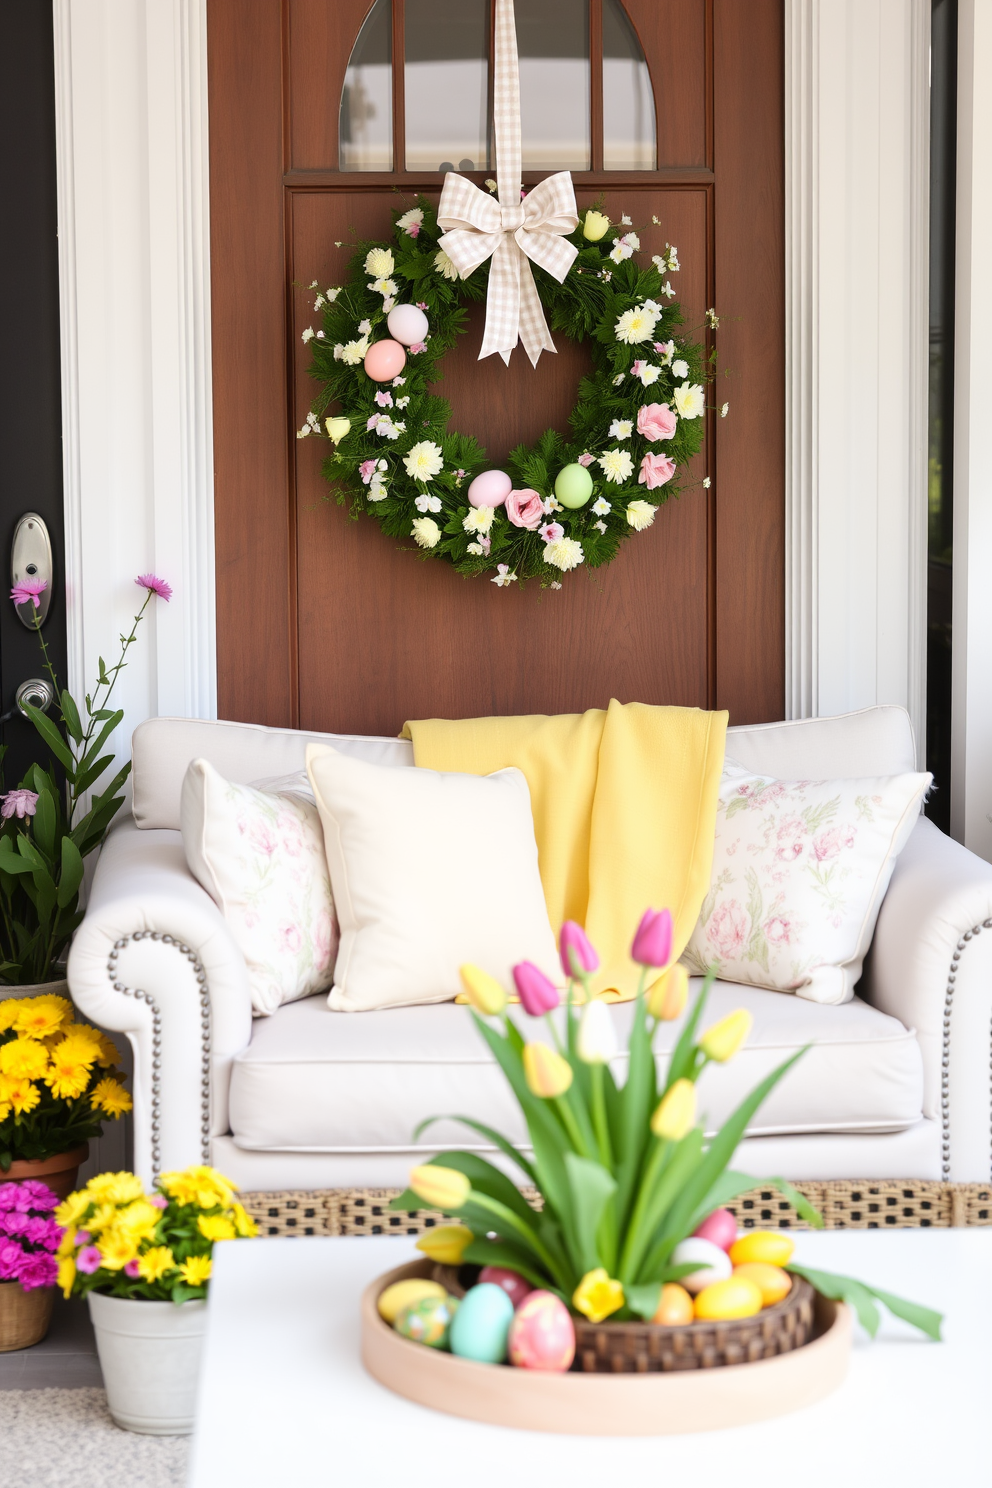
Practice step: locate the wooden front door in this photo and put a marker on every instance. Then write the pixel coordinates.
(325, 623)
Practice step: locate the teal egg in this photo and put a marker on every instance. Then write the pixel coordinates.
(482, 1324)
(573, 486)
(428, 1321)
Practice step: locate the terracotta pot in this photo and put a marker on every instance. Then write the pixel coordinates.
(58, 1172)
(24, 1316)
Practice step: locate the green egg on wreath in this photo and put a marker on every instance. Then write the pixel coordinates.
(637, 421)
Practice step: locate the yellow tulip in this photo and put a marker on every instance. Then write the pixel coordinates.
(337, 428)
(595, 226)
(440, 1188)
(446, 1244)
(597, 1295)
(483, 991)
(676, 1112)
(547, 1073)
(667, 996)
(722, 1041)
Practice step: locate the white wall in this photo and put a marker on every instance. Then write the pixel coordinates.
(133, 223)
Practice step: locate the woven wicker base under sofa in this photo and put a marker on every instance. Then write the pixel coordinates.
(844, 1204)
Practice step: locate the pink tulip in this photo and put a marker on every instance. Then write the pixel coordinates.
(653, 940)
(577, 951)
(538, 993)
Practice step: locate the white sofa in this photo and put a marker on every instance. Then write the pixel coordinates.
(897, 1084)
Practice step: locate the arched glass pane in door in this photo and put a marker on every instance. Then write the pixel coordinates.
(366, 128)
(629, 136)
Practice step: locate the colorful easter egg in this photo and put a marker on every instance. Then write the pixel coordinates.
(491, 488)
(771, 1246)
(674, 1306)
(772, 1282)
(720, 1227)
(542, 1334)
(384, 360)
(573, 486)
(428, 1320)
(393, 1300)
(514, 1285)
(714, 1263)
(482, 1324)
(736, 1297)
(407, 324)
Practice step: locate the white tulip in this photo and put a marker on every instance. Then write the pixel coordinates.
(597, 1039)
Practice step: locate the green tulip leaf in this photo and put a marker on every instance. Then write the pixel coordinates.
(592, 1188)
(863, 1297)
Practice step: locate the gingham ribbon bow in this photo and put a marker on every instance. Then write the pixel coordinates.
(509, 230)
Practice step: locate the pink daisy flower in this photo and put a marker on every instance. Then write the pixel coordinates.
(155, 585)
(27, 592)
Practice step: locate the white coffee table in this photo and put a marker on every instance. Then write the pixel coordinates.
(284, 1398)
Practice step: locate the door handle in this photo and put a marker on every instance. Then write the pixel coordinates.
(31, 558)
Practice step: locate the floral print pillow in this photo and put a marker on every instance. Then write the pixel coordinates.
(260, 856)
(800, 868)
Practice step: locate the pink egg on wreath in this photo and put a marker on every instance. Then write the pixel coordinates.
(384, 360)
(542, 1335)
(491, 488)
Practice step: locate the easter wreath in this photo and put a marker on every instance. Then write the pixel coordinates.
(566, 501)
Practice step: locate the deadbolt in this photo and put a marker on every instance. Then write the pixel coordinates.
(31, 558)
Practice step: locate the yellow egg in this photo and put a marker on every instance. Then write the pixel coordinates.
(674, 1306)
(771, 1246)
(722, 1300)
(772, 1282)
(404, 1293)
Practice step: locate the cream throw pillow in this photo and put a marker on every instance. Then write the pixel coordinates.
(800, 869)
(429, 870)
(260, 857)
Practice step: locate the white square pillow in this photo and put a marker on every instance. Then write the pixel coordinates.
(429, 870)
(260, 857)
(800, 868)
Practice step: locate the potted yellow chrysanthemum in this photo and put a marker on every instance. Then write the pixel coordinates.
(143, 1263)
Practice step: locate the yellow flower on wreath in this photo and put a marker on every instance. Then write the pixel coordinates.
(24, 1058)
(117, 1246)
(110, 1097)
(18, 1093)
(196, 1271)
(155, 1263)
(216, 1227)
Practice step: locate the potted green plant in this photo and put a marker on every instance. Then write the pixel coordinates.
(143, 1263)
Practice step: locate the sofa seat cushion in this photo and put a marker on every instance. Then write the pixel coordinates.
(313, 1080)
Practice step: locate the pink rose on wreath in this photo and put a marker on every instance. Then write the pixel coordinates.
(367, 470)
(831, 842)
(552, 531)
(525, 509)
(655, 471)
(728, 928)
(417, 347)
(585, 459)
(656, 421)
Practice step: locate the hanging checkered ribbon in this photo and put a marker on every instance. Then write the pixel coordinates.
(509, 230)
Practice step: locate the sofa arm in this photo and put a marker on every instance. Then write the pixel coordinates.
(154, 959)
(931, 967)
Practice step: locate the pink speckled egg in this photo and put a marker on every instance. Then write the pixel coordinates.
(542, 1335)
(720, 1227)
(515, 1286)
(491, 488)
(407, 324)
(384, 360)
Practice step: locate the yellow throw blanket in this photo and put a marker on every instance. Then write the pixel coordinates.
(624, 808)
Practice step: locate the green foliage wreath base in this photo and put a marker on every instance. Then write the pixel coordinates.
(596, 292)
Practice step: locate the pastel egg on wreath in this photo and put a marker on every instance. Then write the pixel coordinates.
(428, 1321)
(573, 486)
(491, 488)
(714, 1263)
(407, 324)
(482, 1324)
(542, 1334)
(384, 360)
(515, 1286)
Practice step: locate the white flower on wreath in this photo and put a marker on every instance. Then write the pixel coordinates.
(365, 328)
(443, 265)
(620, 250)
(689, 400)
(397, 382)
(479, 519)
(312, 426)
(384, 399)
(599, 526)
(640, 514)
(402, 402)
(617, 465)
(621, 429)
(384, 286)
(504, 576)
(712, 320)
(680, 368)
(411, 222)
(666, 350)
(379, 263)
(428, 503)
(725, 410)
(330, 295)
(646, 372)
(667, 289)
(307, 335)
(377, 489)
(476, 549)
(601, 506)
(425, 532)
(619, 379)
(635, 325)
(554, 584)
(353, 352)
(564, 553)
(706, 483)
(625, 220)
(424, 460)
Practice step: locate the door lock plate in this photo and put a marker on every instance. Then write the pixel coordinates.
(31, 559)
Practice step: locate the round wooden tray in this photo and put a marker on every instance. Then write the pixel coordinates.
(643, 1404)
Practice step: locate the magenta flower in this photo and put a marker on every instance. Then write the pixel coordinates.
(159, 1201)
(15, 1222)
(28, 590)
(155, 585)
(11, 1258)
(88, 1260)
(421, 304)
(82, 1237)
(577, 951)
(40, 1194)
(653, 940)
(417, 347)
(538, 993)
(38, 1269)
(131, 1269)
(20, 803)
(552, 531)
(585, 459)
